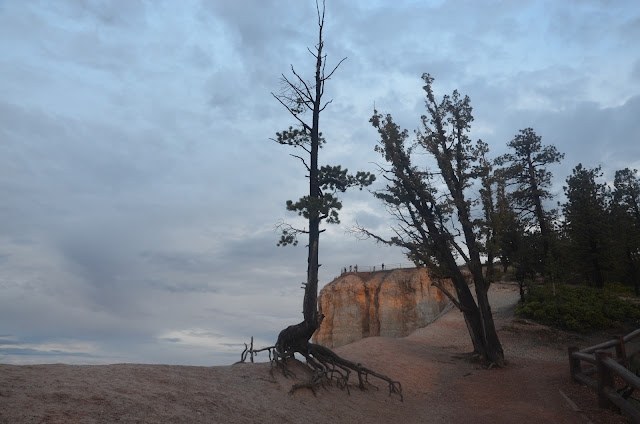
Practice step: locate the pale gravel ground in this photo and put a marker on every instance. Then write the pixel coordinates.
(440, 384)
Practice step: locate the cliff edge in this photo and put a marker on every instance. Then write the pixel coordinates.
(390, 303)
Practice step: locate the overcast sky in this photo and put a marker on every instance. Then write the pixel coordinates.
(139, 186)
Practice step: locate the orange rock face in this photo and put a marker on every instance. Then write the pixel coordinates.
(385, 303)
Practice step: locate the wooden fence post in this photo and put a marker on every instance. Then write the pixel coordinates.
(574, 363)
(621, 351)
(605, 379)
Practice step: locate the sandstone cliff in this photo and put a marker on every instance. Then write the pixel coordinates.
(390, 303)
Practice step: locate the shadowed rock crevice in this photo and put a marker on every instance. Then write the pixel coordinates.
(376, 302)
(367, 311)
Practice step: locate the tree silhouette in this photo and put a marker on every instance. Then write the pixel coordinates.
(432, 206)
(627, 192)
(625, 217)
(300, 97)
(526, 170)
(586, 222)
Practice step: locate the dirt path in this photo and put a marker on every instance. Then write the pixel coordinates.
(440, 385)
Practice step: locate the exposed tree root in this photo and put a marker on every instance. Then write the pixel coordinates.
(251, 352)
(326, 365)
(477, 358)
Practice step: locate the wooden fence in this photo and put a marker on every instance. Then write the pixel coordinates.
(607, 365)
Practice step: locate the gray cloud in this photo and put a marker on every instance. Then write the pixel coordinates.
(140, 188)
(37, 352)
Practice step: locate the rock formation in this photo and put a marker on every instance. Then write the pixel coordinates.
(390, 303)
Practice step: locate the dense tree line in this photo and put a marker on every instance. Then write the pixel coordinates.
(601, 228)
(594, 238)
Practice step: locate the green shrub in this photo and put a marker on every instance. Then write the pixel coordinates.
(619, 288)
(581, 309)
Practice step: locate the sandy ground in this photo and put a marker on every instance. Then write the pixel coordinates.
(440, 384)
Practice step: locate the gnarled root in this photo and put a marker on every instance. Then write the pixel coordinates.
(326, 365)
(324, 354)
(251, 352)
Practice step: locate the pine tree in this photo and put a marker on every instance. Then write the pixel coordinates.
(586, 220)
(433, 208)
(526, 170)
(627, 192)
(625, 211)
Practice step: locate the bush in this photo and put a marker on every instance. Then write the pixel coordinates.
(619, 288)
(581, 309)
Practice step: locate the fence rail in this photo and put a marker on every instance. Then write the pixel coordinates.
(607, 368)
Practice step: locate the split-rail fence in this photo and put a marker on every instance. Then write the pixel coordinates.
(608, 361)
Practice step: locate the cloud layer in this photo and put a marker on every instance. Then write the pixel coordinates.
(140, 188)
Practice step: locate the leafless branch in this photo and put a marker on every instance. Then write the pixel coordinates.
(309, 95)
(281, 225)
(249, 350)
(320, 17)
(326, 104)
(312, 53)
(303, 161)
(334, 69)
(292, 112)
(363, 234)
(452, 298)
(301, 98)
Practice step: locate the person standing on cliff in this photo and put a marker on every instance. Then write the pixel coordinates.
(383, 267)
